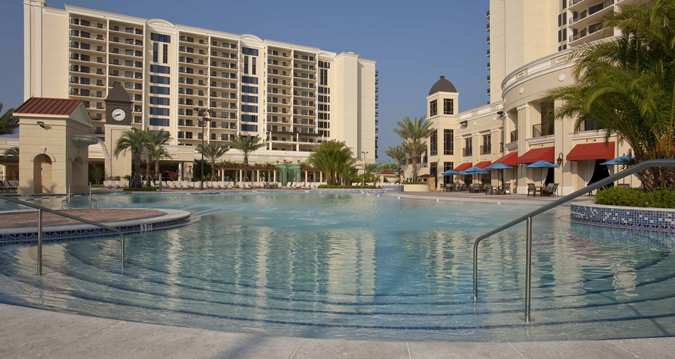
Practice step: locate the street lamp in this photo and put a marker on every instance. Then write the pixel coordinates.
(205, 113)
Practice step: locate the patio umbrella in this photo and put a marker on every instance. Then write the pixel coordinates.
(452, 173)
(499, 166)
(621, 160)
(475, 171)
(542, 164)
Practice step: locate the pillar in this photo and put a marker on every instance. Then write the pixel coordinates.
(241, 175)
(274, 176)
(524, 132)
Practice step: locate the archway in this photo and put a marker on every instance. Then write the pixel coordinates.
(42, 174)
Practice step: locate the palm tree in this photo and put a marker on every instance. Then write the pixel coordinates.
(135, 141)
(414, 132)
(155, 148)
(8, 122)
(12, 153)
(246, 144)
(398, 154)
(212, 151)
(334, 159)
(369, 173)
(626, 86)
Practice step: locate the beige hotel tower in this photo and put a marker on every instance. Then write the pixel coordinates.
(292, 96)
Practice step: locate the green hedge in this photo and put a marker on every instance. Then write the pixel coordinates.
(326, 186)
(632, 197)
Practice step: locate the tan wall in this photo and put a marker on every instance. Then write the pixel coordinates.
(120, 165)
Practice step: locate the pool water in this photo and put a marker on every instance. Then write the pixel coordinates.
(363, 265)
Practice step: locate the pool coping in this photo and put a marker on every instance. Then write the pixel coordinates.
(31, 332)
(172, 218)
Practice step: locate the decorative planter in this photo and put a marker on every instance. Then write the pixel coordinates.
(415, 188)
(638, 218)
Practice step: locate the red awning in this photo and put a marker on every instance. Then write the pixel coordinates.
(483, 164)
(538, 154)
(463, 166)
(510, 159)
(592, 151)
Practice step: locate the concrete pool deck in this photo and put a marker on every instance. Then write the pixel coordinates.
(34, 333)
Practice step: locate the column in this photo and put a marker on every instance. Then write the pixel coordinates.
(524, 132)
(564, 173)
(305, 176)
(320, 176)
(274, 176)
(257, 175)
(241, 175)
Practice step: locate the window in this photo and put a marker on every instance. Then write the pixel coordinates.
(160, 37)
(249, 89)
(159, 111)
(249, 80)
(245, 64)
(249, 51)
(160, 69)
(249, 99)
(433, 143)
(249, 118)
(159, 101)
(446, 167)
(433, 108)
(486, 148)
(253, 63)
(448, 142)
(159, 90)
(165, 53)
(249, 108)
(155, 52)
(159, 121)
(323, 77)
(449, 106)
(155, 79)
(252, 128)
(468, 146)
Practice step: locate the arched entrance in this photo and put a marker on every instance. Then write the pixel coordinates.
(42, 174)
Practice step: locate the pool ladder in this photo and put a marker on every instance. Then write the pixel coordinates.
(40, 229)
(529, 217)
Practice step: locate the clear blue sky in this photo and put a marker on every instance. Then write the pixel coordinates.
(413, 42)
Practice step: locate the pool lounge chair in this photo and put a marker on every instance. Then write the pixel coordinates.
(532, 188)
(551, 189)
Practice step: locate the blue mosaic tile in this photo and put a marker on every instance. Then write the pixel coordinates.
(630, 218)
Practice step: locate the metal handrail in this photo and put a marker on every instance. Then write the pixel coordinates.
(528, 218)
(42, 209)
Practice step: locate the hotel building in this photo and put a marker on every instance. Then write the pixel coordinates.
(294, 97)
(530, 47)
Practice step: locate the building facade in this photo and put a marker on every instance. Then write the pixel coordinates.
(530, 48)
(293, 97)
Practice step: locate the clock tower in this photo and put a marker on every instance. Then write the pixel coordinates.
(118, 120)
(118, 106)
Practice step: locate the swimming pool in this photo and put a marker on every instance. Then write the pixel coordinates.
(362, 266)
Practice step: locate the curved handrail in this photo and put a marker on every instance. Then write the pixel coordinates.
(529, 216)
(65, 215)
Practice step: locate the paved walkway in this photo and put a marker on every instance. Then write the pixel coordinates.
(34, 333)
(22, 219)
(481, 197)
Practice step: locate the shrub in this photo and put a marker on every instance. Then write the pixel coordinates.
(329, 186)
(632, 197)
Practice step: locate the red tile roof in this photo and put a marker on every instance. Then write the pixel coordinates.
(510, 159)
(592, 151)
(48, 106)
(538, 154)
(463, 166)
(483, 164)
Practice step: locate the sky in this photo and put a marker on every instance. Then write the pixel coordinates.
(413, 42)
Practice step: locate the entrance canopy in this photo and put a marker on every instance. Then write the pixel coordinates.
(592, 151)
(463, 166)
(538, 154)
(510, 159)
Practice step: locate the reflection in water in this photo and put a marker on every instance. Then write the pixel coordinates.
(356, 266)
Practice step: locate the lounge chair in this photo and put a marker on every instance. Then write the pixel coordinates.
(550, 190)
(531, 188)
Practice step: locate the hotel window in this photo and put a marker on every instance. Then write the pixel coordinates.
(448, 142)
(159, 69)
(249, 108)
(245, 64)
(160, 37)
(249, 89)
(165, 53)
(159, 101)
(159, 111)
(251, 128)
(486, 148)
(433, 108)
(468, 146)
(159, 121)
(449, 106)
(446, 167)
(433, 143)
(159, 90)
(159, 79)
(155, 52)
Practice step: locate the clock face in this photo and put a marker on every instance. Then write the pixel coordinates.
(118, 115)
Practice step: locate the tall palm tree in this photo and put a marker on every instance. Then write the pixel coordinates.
(155, 148)
(334, 159)
(212, 152)
(627, 86)
(7, 121)
(133, 140)
(246, 144)
(414, 133)
(398, 154)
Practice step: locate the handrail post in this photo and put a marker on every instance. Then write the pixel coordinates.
(124, 250)
(528, 269)
(39, 246)
(475, 271)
